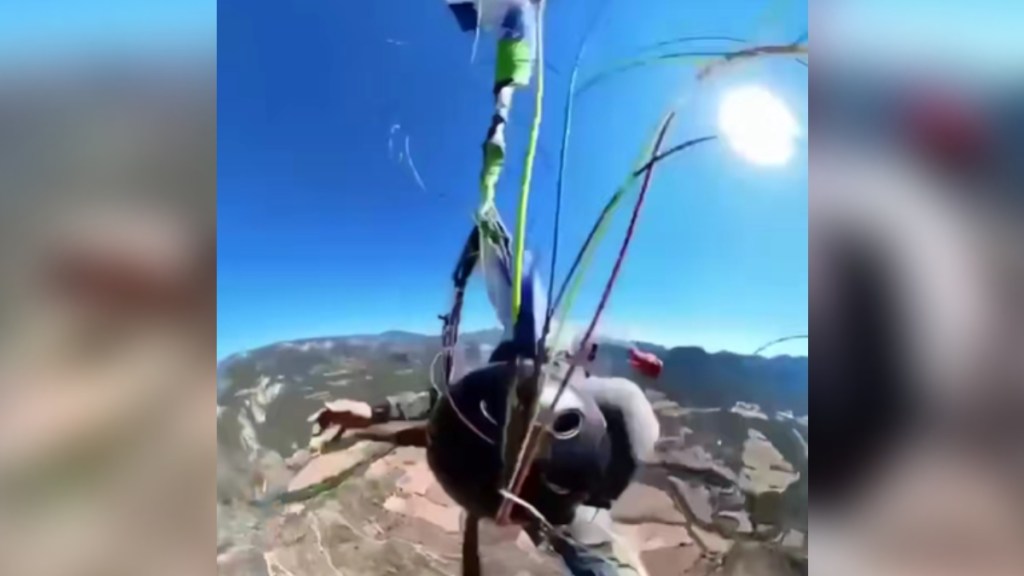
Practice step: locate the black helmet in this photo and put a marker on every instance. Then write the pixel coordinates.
(465, 446)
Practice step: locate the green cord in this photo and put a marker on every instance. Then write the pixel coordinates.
(531, 154)
(602, 228)
(703, 60)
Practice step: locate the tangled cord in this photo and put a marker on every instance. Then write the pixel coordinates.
(563, 157)
(446, 394)
(551, 533)
(530, 448)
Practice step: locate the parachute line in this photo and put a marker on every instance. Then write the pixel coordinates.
(771, 343)
(573, 279)
(640, 63)
(531, 154)
(522, 437)
(584, 256)
(476, 32)
(672, 151)
(562, 160)
(520, 248)
(689, 39)
(720, 57)
(523, 465)
(586, 252)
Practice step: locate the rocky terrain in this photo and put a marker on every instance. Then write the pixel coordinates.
(726, 492)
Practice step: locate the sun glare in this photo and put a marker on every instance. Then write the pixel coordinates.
(758, 126)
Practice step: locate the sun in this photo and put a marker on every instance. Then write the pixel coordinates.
(758, 126)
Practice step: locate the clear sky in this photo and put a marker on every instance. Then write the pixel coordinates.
(982, 36)
(322, 232)
(62, 28)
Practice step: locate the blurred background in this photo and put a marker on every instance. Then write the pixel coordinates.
(917, 273)
(107, 287)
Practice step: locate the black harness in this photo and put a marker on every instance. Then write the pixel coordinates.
(450, 321)
(523, 346)
(522, 355)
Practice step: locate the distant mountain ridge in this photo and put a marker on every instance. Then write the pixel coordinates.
(691, 374)
(733, 446)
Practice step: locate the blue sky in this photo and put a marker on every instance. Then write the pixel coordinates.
(320, 232)
(982, 36)
(62, 28)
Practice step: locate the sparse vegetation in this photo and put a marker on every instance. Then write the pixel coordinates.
(362, 537)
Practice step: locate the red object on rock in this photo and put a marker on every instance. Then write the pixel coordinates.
(646, 363)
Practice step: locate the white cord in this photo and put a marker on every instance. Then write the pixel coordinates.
(529, 508)
(451, 402)
(626, 549)
(476, 33)
(521, 456)
(433, 371)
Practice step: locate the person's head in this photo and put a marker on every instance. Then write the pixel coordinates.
(465, 448)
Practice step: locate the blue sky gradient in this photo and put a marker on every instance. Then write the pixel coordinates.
(320, 232)
(61, 29)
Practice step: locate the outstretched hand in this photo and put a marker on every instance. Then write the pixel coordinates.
(337, 416)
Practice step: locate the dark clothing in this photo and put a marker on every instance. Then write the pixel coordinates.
(625, 408)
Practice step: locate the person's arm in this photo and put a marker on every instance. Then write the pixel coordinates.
(353, 415)
(339, 416)
(401, 434)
